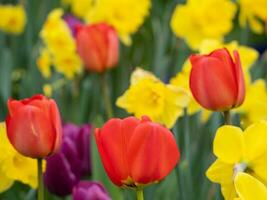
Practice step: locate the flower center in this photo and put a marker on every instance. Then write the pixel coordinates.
(240, 167)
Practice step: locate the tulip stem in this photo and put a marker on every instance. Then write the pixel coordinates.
(227, 117)
(106, 96)
(140, 194)
(40, 180)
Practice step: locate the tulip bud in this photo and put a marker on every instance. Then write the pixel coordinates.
(217, 81)
(136, 152)
(98, 46)
(34, 126)
(86, 190)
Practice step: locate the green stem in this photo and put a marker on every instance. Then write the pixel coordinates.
(140, 194)
(227, 117)
(40, 180)
(106, 96)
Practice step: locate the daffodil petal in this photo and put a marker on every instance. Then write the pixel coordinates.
(228, 191)
(255, 139)
(5, 182)
(220, 172)
(228, 144)
(259, 167)
(249, 188)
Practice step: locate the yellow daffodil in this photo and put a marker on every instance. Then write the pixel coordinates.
(198, 20)
(126, 16)
(249, 188)
(253, 13)
(14, 166)
(254, 107)
(236, 152)
(80, 8)
(60, 48)
(147, 95)
(12, 18)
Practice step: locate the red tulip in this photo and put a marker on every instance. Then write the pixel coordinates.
(34, 126)
(136, 151)
(216, 81)
(98, 46)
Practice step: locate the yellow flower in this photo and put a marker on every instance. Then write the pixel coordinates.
(44, 63)
(126, 16)
(61, 47)
(253, 13)
(249, 188)
(79, 8)
(14, 166)
(68, 65)
(247, 55)
(236, 152)
(254, 107)
(12, 18)
(5, 183)
(197, 20)
(147, 95)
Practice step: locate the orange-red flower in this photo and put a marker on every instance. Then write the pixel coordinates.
(34, 126)
(98, 46)
(217, 81)
(136, 152)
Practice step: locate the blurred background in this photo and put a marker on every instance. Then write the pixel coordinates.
(161, 39)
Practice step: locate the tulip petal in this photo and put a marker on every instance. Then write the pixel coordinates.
(113, 48)
(30, 132)
(59, 178)
(249, 188)
(239, 80)
(113, 148)
(255, 138)
(220, 172)
(89, 55)
(229, 144)
(152, 153)
(211, 83)
(224, 56)
(56, 125)
(13, 106)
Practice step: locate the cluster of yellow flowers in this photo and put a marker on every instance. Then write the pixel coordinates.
(14, 166)
(209, 19)
(198, 20)
(241, 162)
(248, 57)
(147, 95)
(126, 16)
(12, 18)
(253, 13)
(60, 47)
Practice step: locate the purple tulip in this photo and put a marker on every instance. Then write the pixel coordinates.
(88, 190)
(72, 22)
(65, 168)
